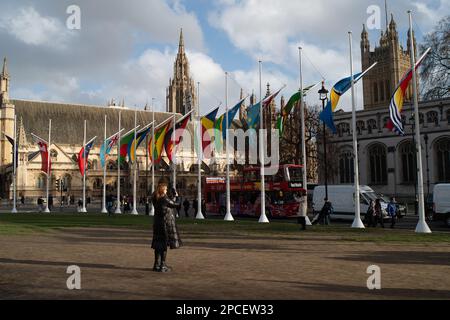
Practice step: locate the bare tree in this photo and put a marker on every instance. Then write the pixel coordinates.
(435, 73)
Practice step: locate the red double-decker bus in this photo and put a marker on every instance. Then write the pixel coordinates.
(245, 193)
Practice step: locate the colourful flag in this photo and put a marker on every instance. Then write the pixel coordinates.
(106, 148)
(289, 106)
(11, 141)
(253, 112)
(43, 149)
(180, 126)
(124, 143)
(207, 123)
(160, 135)
(221, 124)
(395, 123)
(134, 144)
(83, 154)
(338, 90)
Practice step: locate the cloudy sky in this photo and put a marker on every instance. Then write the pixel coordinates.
(126, 49)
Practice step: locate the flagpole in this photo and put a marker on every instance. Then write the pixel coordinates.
(47, 210)
(104, 176)
(228, 215)
(263, 217)
(199, 157)
(14, 209)
(357, 223)
(152, 212)
(174, 166)
(118, 168)
(83, 210)
(134, 211)
(305, 160)
(422, 226)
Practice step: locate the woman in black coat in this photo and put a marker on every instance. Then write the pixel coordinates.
(165, 231)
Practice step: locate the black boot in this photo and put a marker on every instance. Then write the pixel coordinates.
(164, 267)
(157, 265)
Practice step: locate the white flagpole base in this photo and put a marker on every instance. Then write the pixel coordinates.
(422, 227)
(104, 210)
(134, 212)
(14, 210)
(263, 219)
(358, 224)
(308, 222)
(47, 210)
(228, 217)
(118, 211)
(83, 210)
(200, 215)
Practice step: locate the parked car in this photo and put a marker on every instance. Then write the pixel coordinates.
(342, 198)
(441, 203)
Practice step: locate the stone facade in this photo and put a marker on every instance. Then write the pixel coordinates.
(393, 62)
(181, 94)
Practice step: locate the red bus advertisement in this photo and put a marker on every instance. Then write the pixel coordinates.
(245, 192)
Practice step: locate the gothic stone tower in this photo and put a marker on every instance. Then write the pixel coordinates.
(393, 62)
(6, 117)
(181, 97)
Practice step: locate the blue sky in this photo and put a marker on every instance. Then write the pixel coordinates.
(127, 50)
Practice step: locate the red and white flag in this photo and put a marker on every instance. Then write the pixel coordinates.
(43, 149)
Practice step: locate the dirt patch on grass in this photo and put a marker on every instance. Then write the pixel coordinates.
(116, 264)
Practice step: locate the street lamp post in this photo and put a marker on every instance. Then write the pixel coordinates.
(426, 138)
(323, 96)
(416, 198)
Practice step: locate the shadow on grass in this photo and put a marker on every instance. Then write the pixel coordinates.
(401, 257)
(384, 293)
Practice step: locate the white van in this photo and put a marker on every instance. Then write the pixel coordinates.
(441, 203)
(342, 199)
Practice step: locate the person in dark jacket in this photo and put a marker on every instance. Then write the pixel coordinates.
(165, 231)
(195, 206)
(186, 205)
(378, 213)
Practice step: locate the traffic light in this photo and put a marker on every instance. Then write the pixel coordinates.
(57, 184)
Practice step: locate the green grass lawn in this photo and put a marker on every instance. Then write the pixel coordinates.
(21, 224)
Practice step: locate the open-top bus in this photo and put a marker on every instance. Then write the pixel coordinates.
(245, 192)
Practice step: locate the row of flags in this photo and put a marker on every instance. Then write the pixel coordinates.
(164, 140)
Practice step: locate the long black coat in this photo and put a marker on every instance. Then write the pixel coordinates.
(165, 231)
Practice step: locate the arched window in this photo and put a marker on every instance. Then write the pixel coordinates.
(343, 128)
(388, 89)
(40, 181)
(442, 149)
(346, 167)
(433, 117)
(360, 126)
(111, 165)
(95, 164)
(67, 182)
(53, 154)
(375, 92)
(378, 164)
(371, 126)
(408, 162)
(382, 97)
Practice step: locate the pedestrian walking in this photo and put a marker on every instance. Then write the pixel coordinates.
(302, 208)
(392, 210)
(370, 215)
(165, 231)
(186, 206)
(195, 206)
(378, 213)
(324, 215)
(204, 208)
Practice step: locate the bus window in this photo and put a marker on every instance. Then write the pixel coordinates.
(296, 174)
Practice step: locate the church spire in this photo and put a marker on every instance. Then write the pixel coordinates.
(181, 43)
(5, 68)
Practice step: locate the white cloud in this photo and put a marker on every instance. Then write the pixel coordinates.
(30, 27)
